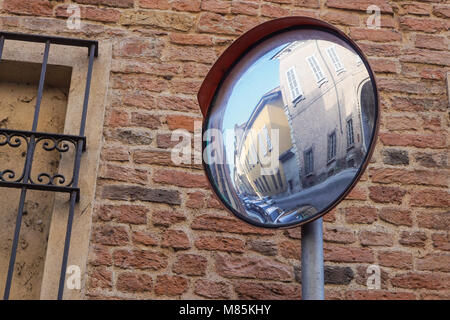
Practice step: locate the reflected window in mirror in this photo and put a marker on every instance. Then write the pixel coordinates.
(309, 162)
(316, 69)
(350, 136)
(338, 67)
(332, 146)
(294, 85)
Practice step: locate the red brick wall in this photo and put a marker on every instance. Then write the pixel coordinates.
(159, 233)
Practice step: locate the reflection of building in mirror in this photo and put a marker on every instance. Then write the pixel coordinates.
(255, 151)
(329, 103)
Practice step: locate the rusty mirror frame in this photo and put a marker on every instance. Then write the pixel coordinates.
(233, 54)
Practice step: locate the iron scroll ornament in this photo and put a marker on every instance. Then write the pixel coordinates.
(299, 58)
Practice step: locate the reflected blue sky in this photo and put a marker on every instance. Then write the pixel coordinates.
(259, 79)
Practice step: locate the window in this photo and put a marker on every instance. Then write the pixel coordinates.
(338, 67)
(309, 161)
(253, 155)
(332, 146)
(315, 67)
(268, 142)
(294, 86)
(350, 137)
(67, 142)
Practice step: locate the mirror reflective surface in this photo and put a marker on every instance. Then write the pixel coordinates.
(290, 127)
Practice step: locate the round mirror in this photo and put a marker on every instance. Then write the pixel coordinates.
(291, 126)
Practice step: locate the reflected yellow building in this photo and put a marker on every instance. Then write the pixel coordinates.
(256, 144)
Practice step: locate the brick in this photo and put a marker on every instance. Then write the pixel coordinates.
(273, 11)
(167, 218)
(171, 285)
(190, 265)
(441, 241)
(395, 157)
(423, 25)
(123, 213)
(145, 156)
(315, 4)
(181, 122)
(91, 13)
(413, 238)
(139, 81)
(431, 160)
(430, 198)
(245, 7)
(416, 280)
(216, 6)
(375, 238)
(380, 49)
(339, 235)
(186, 5)
(215, 23)
(31, 7)
(416, 104)
(363, 272)
(195, 200)
(191, 39)
(264, 247)
(340, 253)
(379, 295)
(135, 193)
(190, 53)
(361, 215)
(111, 235)
(109, 3)
(115, 154)
(395, 259)
(402, 176)
(290, 249)
(176, 239)
(144, 238)
(100, 255)
(338, 275)
(357, 193)
(218, 223)
(139, 259)
(434, 262)
(441, 11)
(361, 5)
(134, 282)
(400, 123)
(100, 278)
(379, 35)
(396, 216)
(220, 243)
(155, 4)
(124, 174)
(425, 56)
(137, 48)
(178, 21)
(180, 179)
(118, 118)
(384, 194)
(420, 9)
(149, 121)
(428, 41)
(340, 17)
(267, 291)
(212, 289)
(294, 233)
(252, 268)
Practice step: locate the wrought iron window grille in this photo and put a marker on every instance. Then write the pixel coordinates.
(15, 138)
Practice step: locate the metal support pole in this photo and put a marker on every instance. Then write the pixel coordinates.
(312, 261)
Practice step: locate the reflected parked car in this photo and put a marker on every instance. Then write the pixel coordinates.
(268, 200)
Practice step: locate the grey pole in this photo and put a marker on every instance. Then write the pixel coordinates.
(312, 261)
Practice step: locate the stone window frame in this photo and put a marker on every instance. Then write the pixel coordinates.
(77, 59)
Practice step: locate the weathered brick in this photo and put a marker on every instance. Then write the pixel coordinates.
(111, 235)
(144, 238)
(167, 218)
(31, 7)
(180, 179)
(434, 262)
(176, 239)
(413, 238)
(340, 253)
(267, 290)
(100, 278)
(441, 241)
(376, 238)
(379, 295)
(363, 215)
(338, 275)
(140, 259)
(395, 259)
(402, 176)
(430, 198)
(339, 235)
(220, 243)
(252, 268)
(384, 194)
(134, 193)
(361, 5)
(226, 224)
(396, 216)
(134, 282)
(395, 157)
(190, 265)
(264, 247)
(290, 249)
(212, 289)
(416, 280)
(171, 285)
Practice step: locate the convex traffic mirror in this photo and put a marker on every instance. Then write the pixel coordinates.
(291, 116)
